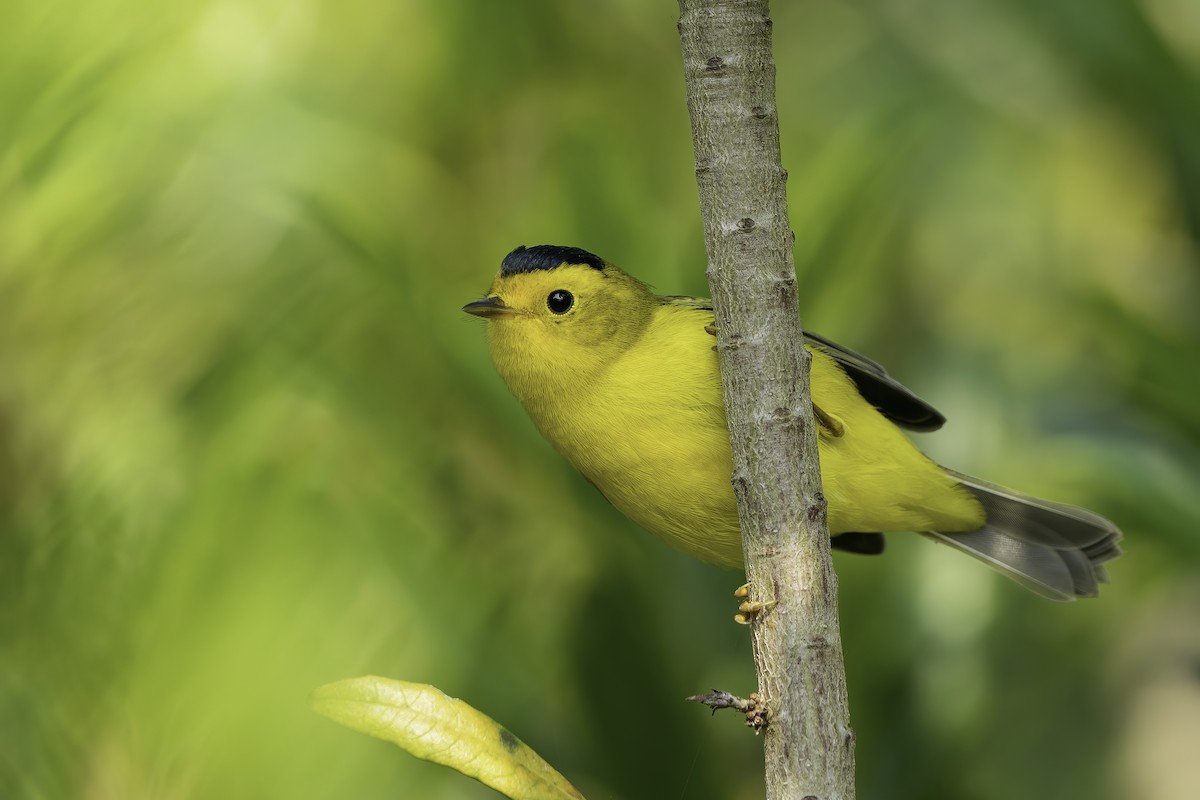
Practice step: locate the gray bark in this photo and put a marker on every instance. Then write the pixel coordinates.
(730, 78)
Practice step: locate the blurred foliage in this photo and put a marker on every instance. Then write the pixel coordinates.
(249, 445)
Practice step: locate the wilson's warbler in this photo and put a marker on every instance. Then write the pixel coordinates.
(625, 384)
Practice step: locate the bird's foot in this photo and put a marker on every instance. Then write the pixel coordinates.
(830, 424)
(750, 609)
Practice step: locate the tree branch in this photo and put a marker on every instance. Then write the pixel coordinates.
(730, 77)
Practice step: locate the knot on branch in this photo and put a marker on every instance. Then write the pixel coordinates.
(787, 419)
(758, 112)
(785, 285)
(740, 483)
(715, 65)
(816, 507)
(745, 225)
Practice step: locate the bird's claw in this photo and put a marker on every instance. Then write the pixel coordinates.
(750, 609)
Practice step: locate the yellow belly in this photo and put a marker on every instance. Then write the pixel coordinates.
(651, 436)
(658, 449)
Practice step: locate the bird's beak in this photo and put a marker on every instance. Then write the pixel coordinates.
(488, 307)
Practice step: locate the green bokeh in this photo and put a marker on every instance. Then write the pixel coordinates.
(249, 445)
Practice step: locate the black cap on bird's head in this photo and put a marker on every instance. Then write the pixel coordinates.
(547, 257)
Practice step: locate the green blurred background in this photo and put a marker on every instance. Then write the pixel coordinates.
(249, 444)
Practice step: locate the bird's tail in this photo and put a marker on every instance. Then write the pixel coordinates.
(1055, 550)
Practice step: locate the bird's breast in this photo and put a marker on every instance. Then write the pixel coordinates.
(654, 442)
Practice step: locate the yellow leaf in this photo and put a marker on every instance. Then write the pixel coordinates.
(427, 723)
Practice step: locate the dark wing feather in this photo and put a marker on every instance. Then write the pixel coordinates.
(865, 544)
(890, 397)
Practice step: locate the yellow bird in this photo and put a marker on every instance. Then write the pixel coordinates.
(625, 385)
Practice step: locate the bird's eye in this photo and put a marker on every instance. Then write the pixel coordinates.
(560, 301)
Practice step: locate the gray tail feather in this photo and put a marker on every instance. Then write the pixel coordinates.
(1055, 550)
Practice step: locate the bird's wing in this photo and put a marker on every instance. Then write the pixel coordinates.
(890, 397)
